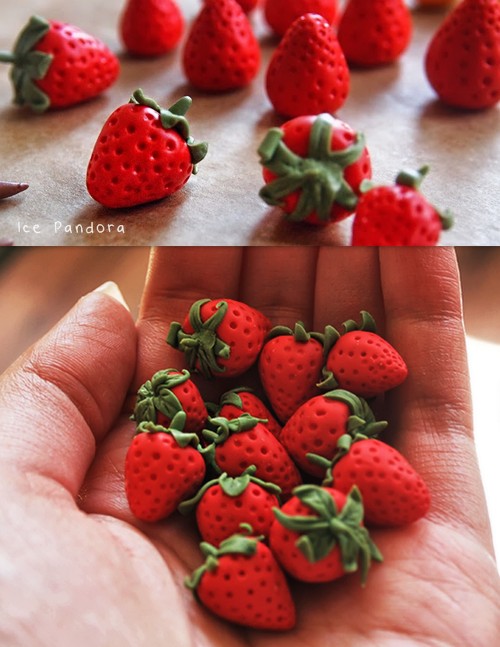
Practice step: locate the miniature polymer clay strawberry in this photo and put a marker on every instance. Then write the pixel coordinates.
(290, 367)
(221, 51)
(151, 27)
(398, 214)
(162, 468)
(220, 337)
(362, 362)
(241, 581)
(313, 168)
(280, 14)
(235, 445)
(227, 503)
(319, 536)
(318, 424)
(143, 153)
(165, 394)
(308, 73)
(56, 65)
(394, 494)
(234, 403)
(462, 61)
(374, 32)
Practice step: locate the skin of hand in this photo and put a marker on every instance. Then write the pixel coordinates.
(77, 569)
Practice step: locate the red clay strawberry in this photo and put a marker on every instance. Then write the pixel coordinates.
(462, 62)
(221, 52)
(243, 400)
(241, 582)
(280, 14)
(313, 168)
(220, 337)
(318, 535)
(56, 65)
(290, 367)
(226, 504)
(362, 362)
(143, 153)
(319, 423)
(151, 27)
(398, 214)
(374, 32)
(237, 444)
(162, 468)
(394, 494)
(165, 394)
(308, 73)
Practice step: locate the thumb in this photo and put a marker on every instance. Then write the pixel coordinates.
(62, 395)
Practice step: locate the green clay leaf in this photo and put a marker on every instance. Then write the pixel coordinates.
(319, 177)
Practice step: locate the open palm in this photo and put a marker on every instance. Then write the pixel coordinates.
(77, 569)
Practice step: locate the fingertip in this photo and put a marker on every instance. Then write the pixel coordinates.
(111, 289)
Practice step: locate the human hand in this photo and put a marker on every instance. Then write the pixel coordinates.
(79, 569)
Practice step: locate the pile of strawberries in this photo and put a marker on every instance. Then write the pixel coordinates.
(315, 174)
(284, 480)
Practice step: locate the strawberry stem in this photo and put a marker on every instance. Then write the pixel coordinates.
(175, 429)
(328, 528)
(202, 347)
(156, 395)
(237, 544)
(173, 118)
(231, 486)
(319, 177)
(29, 65)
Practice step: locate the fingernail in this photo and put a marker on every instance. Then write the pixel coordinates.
(112, 290)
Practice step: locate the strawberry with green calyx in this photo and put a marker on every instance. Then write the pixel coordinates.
(318, 535)
(235, 445)
(241, 400)
(56, 65)
(231, 584)
(394, 494)
(313, 167)
(165, 394)
(319, 423)
(143, 153)
(290, 366)
(162, 468)
(361, 361)
(225, 503)
(398, 214)
(220, 337)
(9, 189)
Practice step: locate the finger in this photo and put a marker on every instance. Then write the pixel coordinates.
(176, 278)
(61, 397)
(280, 281)
(347, 281)
(433, 412)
